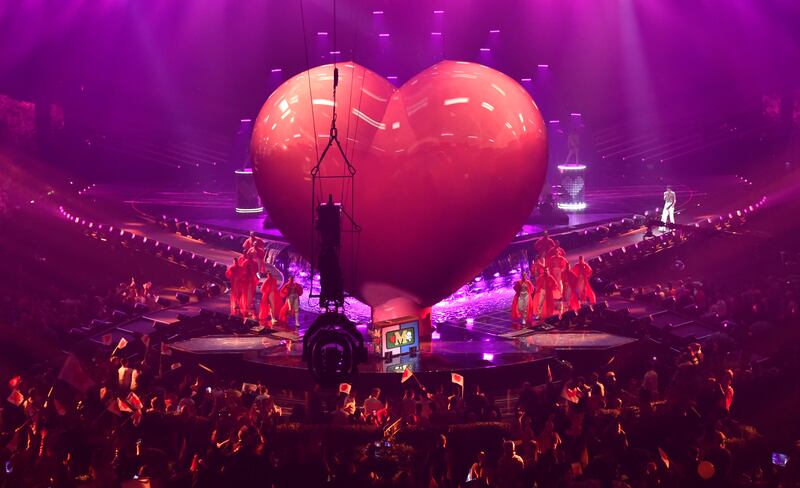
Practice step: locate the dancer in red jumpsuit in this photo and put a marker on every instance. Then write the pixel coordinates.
(556, 264)
(522, 304)
(537, 267)
(544, 299)
(291, 293)
(249, 284)
(269, 299)
(234, 274)
(569, 282)
(256, 245)
(544, 244)
(583, 271)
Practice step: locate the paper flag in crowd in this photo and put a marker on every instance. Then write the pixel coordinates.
(664, 457)
(175, 366)
(249, 387)
(134, 401)
(16, 398)
(345, 388)
(570, 394)
(103, 391)
(457, 379)
(123, 407)
(137, 418)
(407, 374)
(165, 349)
(14, 382)
(72, 373)
(549, 374)
(113, 407)
(122, 343)
(107, 339)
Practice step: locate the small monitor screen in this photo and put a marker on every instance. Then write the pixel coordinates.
(406, 336)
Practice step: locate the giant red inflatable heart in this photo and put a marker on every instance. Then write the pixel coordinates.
(449, 166)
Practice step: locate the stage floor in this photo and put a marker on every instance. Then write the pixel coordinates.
(502, 363)
(474, 326)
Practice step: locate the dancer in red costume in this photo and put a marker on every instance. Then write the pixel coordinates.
(234, 274)
(544, 244)
(537, 267)
(544, 300)
(291, 293)
(583, 272)
(556, 264)
(269, 299)
(256, 245)
(249, 284)
(522, 304)
(570, 283)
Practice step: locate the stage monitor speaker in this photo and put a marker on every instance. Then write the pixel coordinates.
(183, 298)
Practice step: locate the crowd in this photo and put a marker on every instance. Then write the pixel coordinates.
(126, 417)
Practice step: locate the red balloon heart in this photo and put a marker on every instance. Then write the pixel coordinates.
(449, 167)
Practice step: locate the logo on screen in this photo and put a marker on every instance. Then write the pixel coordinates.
(400, 338)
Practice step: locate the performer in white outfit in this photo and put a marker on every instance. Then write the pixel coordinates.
(669, 206)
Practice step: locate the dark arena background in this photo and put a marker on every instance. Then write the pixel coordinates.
(442, 243)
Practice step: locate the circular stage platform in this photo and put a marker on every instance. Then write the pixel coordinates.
(501, 362)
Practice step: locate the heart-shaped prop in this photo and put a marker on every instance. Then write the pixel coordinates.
(449, 166)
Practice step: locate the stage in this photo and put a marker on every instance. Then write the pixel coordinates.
(474, 333)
